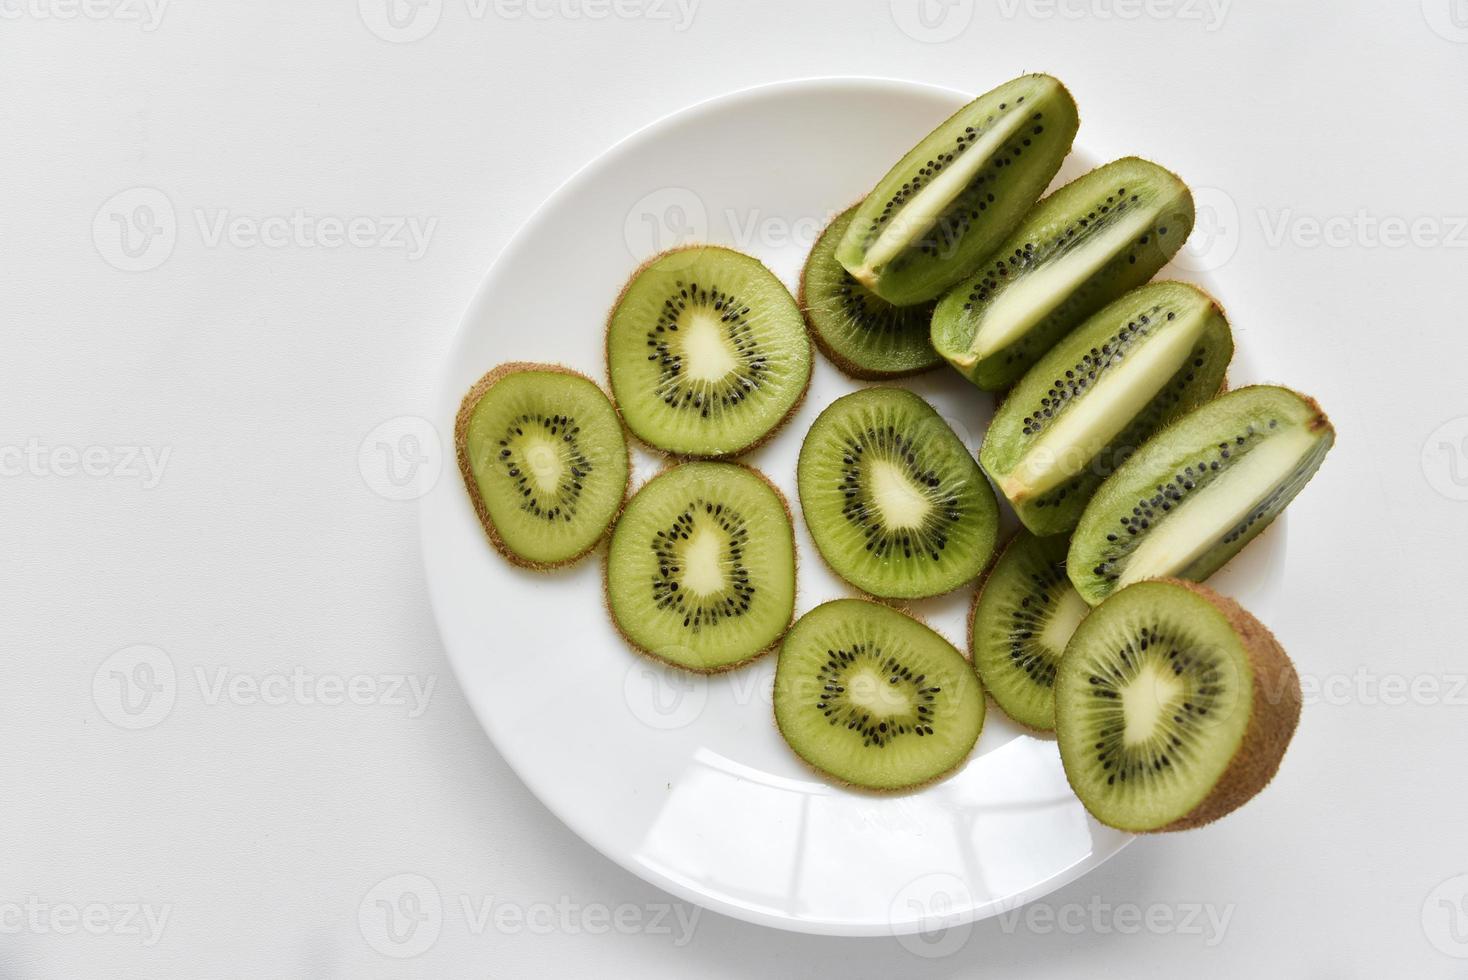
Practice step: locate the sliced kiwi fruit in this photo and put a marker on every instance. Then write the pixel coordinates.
(873, 698)
(1173, 707)
(1198, 491)
(1022, 619)
(1146, 359)
(951, 200)
(544, 460)
(895, 502)
(1080, 248)
(701, 568)
(707, 352)
(863, 334)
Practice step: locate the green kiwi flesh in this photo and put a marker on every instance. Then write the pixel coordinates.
(894, 500)
(701, 568)
(863, 334)
(1173, 707)
(1148, 358)
(875, 699)
(955, 196)
(1195, 493)
(1023, 618)
(1080, 248)
(707, 352)
(544, 460)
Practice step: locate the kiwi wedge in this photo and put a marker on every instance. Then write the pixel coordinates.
(895, 502)
(1022, 619)
(863, 334)
(951, 200)
(1153, 355)
(701, 568)
(873, 698)
(544, 460)
(1173, 707)
(1080, 248)
(1199, 490)
(707, 352)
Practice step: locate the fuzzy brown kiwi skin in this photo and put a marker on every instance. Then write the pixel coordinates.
(730, 455)
(890, 790)
(973, 654)
(606, 585)
(843, 365)
(1274, 715)
(466, 470)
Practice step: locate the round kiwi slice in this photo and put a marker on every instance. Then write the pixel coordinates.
(874, 698)
(894, 500)
(863, 334)
(544, 459)
(707, 352)
(701, 568)
(1195, 493)
(1173, 707)
(1022, 619)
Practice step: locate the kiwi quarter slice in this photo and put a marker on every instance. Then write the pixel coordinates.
(1022, 619)
(952, 199)
(863, 334)
(1173, 707)
(1198, 491)
(1146, 359)
(701, 568)
(707, 352)
(895, 502)
(544, 460)
(874, 698)
(1078, 250)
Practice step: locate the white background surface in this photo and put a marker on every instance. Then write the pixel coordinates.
(261, 830)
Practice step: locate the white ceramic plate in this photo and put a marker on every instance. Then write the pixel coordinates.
(682, 779)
